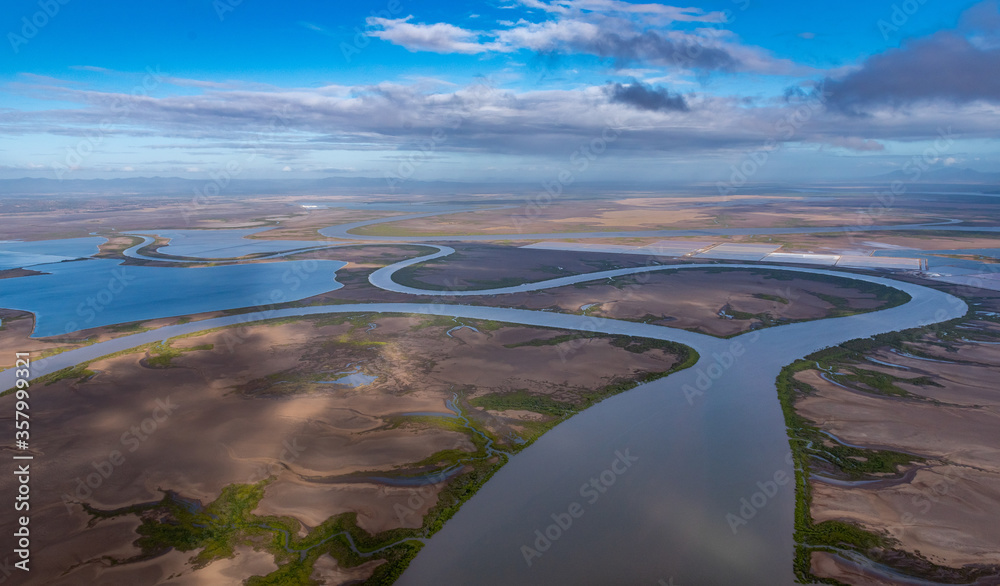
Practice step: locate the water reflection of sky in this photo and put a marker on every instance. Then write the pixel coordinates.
(224, 243)
(98, 292)
(953, 266)
(15, 255)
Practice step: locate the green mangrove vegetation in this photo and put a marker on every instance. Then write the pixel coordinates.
(813, 449)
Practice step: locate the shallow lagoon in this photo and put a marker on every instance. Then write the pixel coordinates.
(15, 255)
(951, 266)
(96, 292)
(224, 243)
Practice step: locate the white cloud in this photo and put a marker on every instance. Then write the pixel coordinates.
(288, 123)
(623, 32)
(853, 143)
(673, 13)
(436, 38)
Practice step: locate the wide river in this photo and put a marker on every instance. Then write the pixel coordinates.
(672, 462)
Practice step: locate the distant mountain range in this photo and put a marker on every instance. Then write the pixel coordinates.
(373, 186)
(942, 175)
(208, 187)
(326, 186)
(177, 186)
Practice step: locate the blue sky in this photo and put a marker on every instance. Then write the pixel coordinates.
(489, 91)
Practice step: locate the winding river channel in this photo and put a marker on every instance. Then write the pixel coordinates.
(654, 477)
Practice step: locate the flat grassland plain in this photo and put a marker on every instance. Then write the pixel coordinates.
(326, 449)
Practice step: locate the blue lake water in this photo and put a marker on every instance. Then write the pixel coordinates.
(99, 292)
(14, 255)
(354, 379)
(941, 264)
(991, 252)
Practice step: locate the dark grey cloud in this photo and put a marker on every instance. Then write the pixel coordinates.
(652, 47)
(605, 34)
(646, 97)
(983, 17)
(483, 119)
(942, 67)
